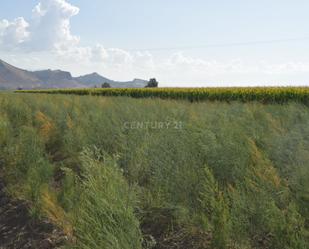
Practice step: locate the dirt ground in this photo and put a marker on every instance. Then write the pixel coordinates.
(19, 231)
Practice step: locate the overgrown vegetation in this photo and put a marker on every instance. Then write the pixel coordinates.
(148, 173)
(261, 94)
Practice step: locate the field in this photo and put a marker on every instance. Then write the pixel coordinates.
(261, 94)
(125, 173)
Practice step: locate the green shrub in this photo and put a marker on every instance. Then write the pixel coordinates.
(104, 216)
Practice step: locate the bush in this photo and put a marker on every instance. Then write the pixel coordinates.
(104, 216)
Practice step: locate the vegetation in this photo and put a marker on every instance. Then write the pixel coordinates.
(123, 173)
(152, 83)
(106, 85)
(264, 95)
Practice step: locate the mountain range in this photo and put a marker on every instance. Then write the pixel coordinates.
(13, 78)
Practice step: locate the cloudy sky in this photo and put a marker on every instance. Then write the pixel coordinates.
(180, 42)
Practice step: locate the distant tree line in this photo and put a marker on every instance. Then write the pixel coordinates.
(152, 83)
(105, 85)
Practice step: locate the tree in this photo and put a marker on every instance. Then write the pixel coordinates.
(106, 85)
(152, 83)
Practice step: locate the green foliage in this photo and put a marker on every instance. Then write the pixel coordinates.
(208, 196)
(152, 83)
(104, 216)
(4, 130)
(220, 223)
(234, 172)
(27, 169)
(105, 85)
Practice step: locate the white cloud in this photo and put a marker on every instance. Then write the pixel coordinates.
(144, 60)
(50, 26)
(285, 68)
(191, 71)
(187, 64)
(13, 33)
(48, 29)
(74, 54)
(180, 59)
(119, 57)
(234, 66)
(99, 53)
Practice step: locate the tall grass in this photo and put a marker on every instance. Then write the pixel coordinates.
(104, 216)
(132, 173)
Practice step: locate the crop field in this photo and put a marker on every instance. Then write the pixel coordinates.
(261, 94)
(119, 172)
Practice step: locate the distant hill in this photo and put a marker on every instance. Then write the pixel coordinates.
(57, 79)
(12, 78)
(95, 79)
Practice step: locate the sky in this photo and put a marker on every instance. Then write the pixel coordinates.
(179, 42)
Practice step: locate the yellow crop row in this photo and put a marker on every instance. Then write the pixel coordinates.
(261, 94)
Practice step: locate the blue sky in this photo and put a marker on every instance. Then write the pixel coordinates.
(121, 39)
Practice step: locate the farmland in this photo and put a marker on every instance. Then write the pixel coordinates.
(261, 94)
(227, 169)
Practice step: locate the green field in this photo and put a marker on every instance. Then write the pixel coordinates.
(125, 173)
(246, 94)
